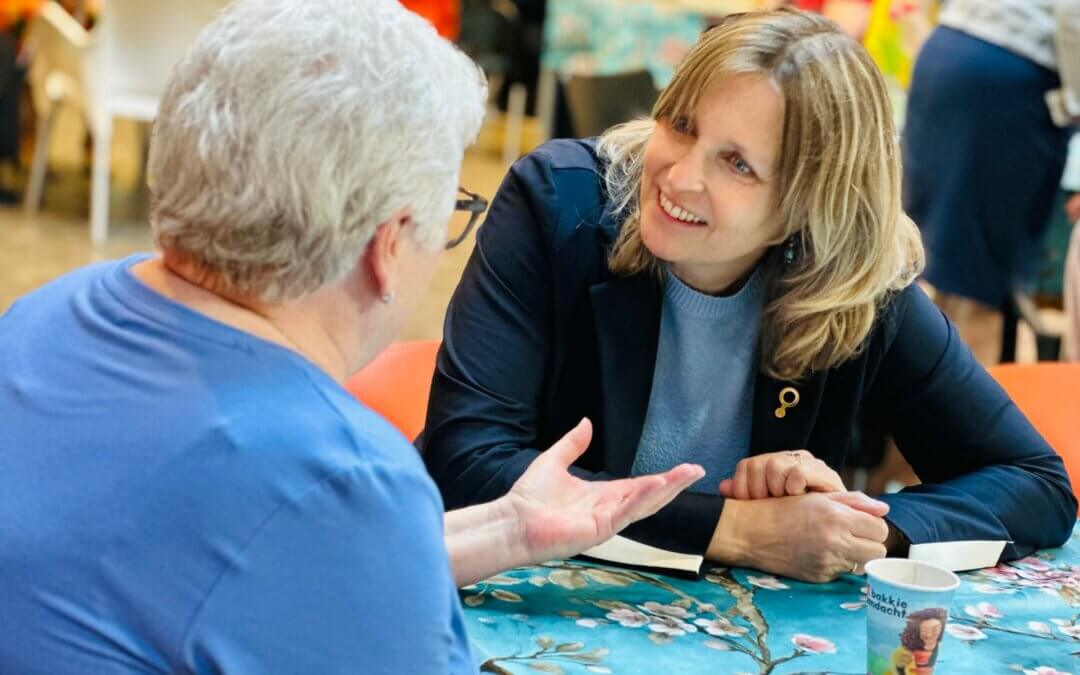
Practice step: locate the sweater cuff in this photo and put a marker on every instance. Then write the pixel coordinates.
(686, 525)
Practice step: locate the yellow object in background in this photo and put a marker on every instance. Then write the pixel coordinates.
(896, 31)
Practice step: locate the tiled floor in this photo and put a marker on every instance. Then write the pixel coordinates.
(37, 248)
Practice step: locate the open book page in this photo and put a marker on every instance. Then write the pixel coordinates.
(628, 553)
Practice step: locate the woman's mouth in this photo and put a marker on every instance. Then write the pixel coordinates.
(676, 212)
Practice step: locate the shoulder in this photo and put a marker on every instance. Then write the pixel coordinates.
(302, 427)
(564, 154)
(899, 312)
(555, 197)
(564, 178)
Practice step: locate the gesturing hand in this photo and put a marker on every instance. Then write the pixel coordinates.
(561, 515)
(779, 474)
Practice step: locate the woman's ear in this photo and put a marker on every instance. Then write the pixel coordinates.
(383, 254)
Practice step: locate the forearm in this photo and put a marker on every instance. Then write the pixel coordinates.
(729, 544)
(1014, 503)
(483, 540)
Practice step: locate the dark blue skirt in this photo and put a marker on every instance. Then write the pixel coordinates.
(982, 162)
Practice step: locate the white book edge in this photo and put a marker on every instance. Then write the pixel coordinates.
(619, 549)
(958, 556)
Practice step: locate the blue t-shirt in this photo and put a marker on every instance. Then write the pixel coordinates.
(180, 496)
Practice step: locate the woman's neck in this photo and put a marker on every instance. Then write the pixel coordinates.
(294, 326)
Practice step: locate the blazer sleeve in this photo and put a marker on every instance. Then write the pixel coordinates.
(986, 472)
(481, 426)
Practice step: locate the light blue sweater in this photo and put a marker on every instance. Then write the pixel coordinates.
(702, 395)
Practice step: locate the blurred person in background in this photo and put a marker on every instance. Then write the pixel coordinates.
(185, 486)
(984, 152)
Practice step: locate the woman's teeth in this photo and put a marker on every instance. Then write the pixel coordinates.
(677, 212)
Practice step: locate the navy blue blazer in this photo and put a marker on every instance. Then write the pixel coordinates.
(540, 334)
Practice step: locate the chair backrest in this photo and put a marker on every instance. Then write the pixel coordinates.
(597, 102)
(140, 43)
(396, 384)
(1049, 395)
(56, 44)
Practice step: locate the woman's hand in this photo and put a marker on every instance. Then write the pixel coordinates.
(561, 515)
(779, 474)
(812, 537)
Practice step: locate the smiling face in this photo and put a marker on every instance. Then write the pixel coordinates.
(709, 203)
(930, 633)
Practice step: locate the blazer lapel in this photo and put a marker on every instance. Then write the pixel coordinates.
(769, 432)
(627, 315)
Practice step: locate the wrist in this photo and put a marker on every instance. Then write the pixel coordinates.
(730, 544)
(896, 544)
(483, 540)
(510, 534)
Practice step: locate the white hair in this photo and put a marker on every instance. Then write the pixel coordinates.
(292, 128)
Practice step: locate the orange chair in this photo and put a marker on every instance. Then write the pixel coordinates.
(1049, 395)
(397, 384)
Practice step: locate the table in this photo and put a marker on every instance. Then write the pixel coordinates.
(570, 616)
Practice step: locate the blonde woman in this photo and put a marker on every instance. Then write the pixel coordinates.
(730, 283)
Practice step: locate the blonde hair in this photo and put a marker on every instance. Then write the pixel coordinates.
(838, 184)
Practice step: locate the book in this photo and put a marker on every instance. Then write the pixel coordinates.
(959, 556)
(625, 552)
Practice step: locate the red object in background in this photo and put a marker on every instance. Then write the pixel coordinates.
(396, 384)
(1048, 393)
(444, 14)
(14, 11)
(816, 5)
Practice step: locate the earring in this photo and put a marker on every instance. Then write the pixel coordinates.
(387, 297)
(789, 249)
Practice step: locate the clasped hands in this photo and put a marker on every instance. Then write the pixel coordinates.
(789, 513)
(786, 513)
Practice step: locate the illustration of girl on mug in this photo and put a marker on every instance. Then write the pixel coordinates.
(919, 642)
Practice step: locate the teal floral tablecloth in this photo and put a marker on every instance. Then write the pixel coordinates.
(575, 617)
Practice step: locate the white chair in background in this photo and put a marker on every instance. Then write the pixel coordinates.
(117, 70)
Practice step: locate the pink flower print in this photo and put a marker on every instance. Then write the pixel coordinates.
(813, 645)
(1039, 627)
(673, 611)
(1000, 573)
(983, 611)
(965, 633)
(721, 627)
(628, 617)
(1044, 670)
(991, 589)
(767, 582)
(666, 625)
(1033, 563)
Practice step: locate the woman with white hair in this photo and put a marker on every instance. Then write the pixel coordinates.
(731, 283)
(186, 485)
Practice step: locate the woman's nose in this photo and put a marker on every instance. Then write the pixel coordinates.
(686, 173)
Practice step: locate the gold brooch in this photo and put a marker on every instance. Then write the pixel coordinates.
(789, 398)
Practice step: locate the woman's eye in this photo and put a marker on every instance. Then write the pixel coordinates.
(682, 125)
(741, 167)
